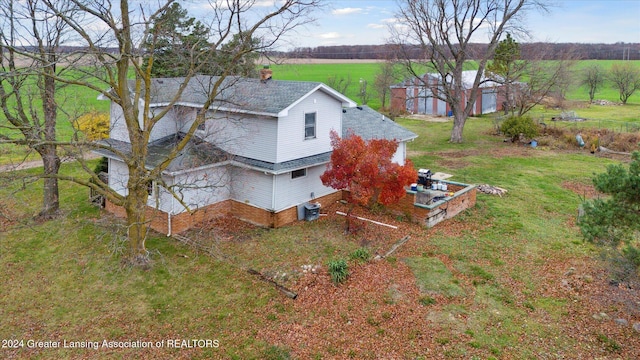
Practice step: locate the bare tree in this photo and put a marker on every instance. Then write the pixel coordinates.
(110, 33)
(339, 83)
(387, 76)
(593, 78)
(445, 31)
(363, 92)
(545, 79)
(625, 78)
(29, 40)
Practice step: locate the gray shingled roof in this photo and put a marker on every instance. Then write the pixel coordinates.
(255, 96)
(195, 154)
(468, 77)
(237, 94)
(370, 124)
(287, 165)
(199, 153)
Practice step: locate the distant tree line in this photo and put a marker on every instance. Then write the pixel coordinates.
(529, 51)
(553, 51)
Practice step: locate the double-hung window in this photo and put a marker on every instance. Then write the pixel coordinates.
(310, 125)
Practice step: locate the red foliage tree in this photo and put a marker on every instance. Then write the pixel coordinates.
(366, 170)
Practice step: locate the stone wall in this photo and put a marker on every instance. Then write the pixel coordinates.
(464, 197)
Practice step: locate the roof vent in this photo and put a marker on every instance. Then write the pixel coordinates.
(344, 111)
(359, 107)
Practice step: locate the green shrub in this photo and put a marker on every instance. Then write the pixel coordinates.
(632, 254)
(426, 300)
(339, 270)
(361, 254)
(515, 125)
(102, 166)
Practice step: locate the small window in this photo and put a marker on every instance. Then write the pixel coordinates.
(298, 173)
(201, 127)
(309, 125)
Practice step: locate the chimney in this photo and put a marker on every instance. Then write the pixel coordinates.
(265, 73)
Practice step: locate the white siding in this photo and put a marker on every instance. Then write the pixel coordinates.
(400, 154)
(161, 199)
(291, 192)
(197, 189)
(118, 176)
(291, 140)
(117, 125)
(169, 124)
(250, 136)
(177, 119)
(253, 188)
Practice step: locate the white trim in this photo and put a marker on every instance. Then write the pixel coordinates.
(346, 102)
(213, 108)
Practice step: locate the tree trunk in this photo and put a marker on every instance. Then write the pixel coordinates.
(137, 225)
(458, 125)
(49, 153)
(51, 199)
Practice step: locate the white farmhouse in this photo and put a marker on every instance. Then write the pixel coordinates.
(258, 156)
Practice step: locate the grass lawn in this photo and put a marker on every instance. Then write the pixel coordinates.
(510, 278)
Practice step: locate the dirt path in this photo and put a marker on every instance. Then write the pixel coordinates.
(38, 163)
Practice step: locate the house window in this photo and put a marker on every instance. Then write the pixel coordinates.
(310, 125)
(298, 173)
(150, 186)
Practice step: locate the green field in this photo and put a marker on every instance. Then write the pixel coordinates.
(367, 71)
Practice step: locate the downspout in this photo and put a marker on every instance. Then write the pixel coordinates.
(273, 194)
(169, 217)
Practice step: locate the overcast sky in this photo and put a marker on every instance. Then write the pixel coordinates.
(364, 22)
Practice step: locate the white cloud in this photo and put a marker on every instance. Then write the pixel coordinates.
(376, 26)
(346, 11)
(265, 3)
(330, 35)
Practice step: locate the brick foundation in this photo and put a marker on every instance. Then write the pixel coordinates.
(465, 197)
(159, 221)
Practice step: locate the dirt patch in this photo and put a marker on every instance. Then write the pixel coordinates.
(225, 229)
(510, 150)
(453, 164)
(597, 310)
(379, 301)
(428, 118)
(456, 154)
(584, 190)
(498, 151)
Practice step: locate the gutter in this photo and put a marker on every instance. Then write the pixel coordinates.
(170, 228)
